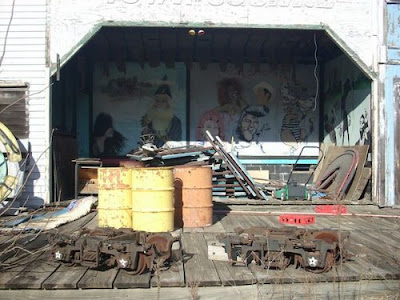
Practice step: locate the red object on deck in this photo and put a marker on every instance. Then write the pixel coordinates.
(297, 219)
(331, 209)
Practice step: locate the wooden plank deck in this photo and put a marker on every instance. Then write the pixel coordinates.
(374, 245)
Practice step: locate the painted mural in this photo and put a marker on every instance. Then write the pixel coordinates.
(137, 105)
(270, 111)
(346, 99)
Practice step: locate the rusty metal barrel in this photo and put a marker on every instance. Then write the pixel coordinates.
(152, 199)
(115, 198)
(193, 196)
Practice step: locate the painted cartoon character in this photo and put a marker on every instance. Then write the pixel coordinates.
(226, 115)
(296, 107)
(213, 122)
(248, 128)
(106, 140)
(365, 133)
(160, 119)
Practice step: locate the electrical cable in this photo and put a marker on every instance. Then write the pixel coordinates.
(315, 72)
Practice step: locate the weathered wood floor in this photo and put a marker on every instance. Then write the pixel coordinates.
(375, 243)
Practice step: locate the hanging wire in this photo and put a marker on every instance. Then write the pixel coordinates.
(315, 73)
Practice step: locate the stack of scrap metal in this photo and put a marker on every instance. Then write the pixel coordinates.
(152, 156)
(225, 183)
(246, 183)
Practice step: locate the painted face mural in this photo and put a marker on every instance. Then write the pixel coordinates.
(251, 124)
(160, 120)
(247, 107)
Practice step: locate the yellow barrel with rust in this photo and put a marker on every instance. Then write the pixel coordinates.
(153, 199)
(114, 198)
(193, 196)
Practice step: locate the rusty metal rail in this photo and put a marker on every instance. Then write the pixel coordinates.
(314, 250)
(135, 251)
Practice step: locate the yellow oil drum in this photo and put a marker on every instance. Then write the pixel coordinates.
(115, 198)
(193, 196)
(153, 199)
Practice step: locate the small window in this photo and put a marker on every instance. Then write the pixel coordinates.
(14, 107)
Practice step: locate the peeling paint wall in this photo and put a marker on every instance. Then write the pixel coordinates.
(73, 21)
(389, 78)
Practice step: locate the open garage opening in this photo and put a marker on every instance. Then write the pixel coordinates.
(267, 93)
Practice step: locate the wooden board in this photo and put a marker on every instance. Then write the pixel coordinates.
(199, 270)
(230, 223)
(259, 175)
(367, 270)
(93, 223)
(335, 151)
(231, 275)
(8, 271)
(124, 280)
(29, 242)
(7, 275)
(34, 274)
(269, 275)
(174, 276)
(342, 272)
(216, 227)
(4, 239)
(24, 261)
(65, 277)
(361, 247)
(94, 279)
(361, 184)
(366, 289)
(300, 275)
(78, 224)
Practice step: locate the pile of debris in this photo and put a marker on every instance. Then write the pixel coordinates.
(152, 156)
(232, 179)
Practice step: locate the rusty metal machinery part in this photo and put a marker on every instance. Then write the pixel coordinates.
(135, 251)
(316, 251)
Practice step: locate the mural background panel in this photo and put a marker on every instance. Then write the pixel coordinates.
(134, 102)
(271, 111)
(347, 104)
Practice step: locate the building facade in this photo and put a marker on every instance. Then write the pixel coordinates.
(329, 67)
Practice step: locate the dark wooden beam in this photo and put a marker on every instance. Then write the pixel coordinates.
(185, 47)
(237, 47)
(168, 40)
(134, 45)
(220, 45)
(203, 49)
(151, 44)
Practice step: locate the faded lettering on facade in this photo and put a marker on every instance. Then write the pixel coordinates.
(236, 3)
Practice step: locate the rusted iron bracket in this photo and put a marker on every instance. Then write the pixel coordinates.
(135, 251)
(314, 250)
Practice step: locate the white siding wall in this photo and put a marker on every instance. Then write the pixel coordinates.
(352, 20)
(25, 60)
